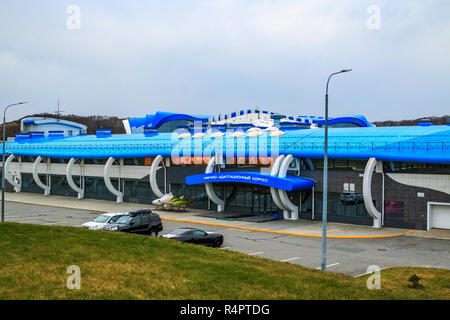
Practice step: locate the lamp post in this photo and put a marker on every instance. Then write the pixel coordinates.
(3, 159)
(325, 178)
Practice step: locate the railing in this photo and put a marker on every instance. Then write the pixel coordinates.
(386, 146)
(283, 146)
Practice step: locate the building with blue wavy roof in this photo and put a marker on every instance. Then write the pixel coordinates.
(250, 162)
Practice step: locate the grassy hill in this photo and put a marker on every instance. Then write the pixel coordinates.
(34, 261)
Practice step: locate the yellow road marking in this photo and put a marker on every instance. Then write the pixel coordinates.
(289, 233)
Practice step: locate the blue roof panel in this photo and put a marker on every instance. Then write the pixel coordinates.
(416, 144)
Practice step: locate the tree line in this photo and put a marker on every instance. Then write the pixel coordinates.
(393, 123)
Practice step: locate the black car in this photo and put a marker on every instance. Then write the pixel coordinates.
(196, 236)
(349, 198)
(139, 221)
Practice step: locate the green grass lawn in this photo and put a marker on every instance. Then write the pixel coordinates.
(34, 260)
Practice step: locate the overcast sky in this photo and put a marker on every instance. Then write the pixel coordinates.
(132, 58)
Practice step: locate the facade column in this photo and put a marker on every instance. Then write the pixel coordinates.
(46, 186)
(292, 210)
(367, 193)
(210, 189)
(72, 184)
(274, 192)
(107, 177)
(153, 183)
(13, 177)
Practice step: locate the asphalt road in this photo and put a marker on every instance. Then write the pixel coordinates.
(349, 256)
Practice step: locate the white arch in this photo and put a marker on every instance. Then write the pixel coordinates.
(367, 193)
(153, 183)
(38, 181)
(274, 192)
(72, 184)
(210, 189)
(292, 210)
(14, 178)
(107, 178)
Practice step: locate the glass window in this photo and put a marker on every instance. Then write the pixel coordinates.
(199, 233)
(114, 219)
(344, 125)
(172, 125)
(179, 232)
(443, 169)
(124, 220)
(340, 163)
(248, 198)
(136, 220)
(417, 168)
(357, 164)
(240, 197)
(145, 219)
(101, 219)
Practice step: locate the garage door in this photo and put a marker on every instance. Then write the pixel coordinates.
(440, 216)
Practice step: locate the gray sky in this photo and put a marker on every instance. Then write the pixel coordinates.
(131, 58)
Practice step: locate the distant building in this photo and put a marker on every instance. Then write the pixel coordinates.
(167, 121)
(48, 125)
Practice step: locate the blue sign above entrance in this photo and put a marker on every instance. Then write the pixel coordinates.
(288, 183)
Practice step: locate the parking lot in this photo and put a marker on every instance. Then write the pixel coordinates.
(349, 256)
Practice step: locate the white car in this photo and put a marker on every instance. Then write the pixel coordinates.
(102, 220)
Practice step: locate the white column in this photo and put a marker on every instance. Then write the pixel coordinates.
(274, 192)
(72, 184)
(367, 193)
(13, 177)
(153, 183)
(292, 210)
(38, 181)
(107, 178)
(210, 189)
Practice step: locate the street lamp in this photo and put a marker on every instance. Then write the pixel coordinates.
(3, 159)
(325, 178)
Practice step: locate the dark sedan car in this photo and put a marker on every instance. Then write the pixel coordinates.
(196, 236)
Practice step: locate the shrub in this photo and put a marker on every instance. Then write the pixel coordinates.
(414, 279)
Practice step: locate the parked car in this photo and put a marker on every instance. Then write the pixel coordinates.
(349, 197)
(196, 236)
(102, 220)
(139, 221)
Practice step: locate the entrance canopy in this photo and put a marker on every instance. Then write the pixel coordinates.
(287, 183)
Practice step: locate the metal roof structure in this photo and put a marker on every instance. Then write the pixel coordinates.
(46, 121)
(137, 125)
(430, 144)
(158, 119)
